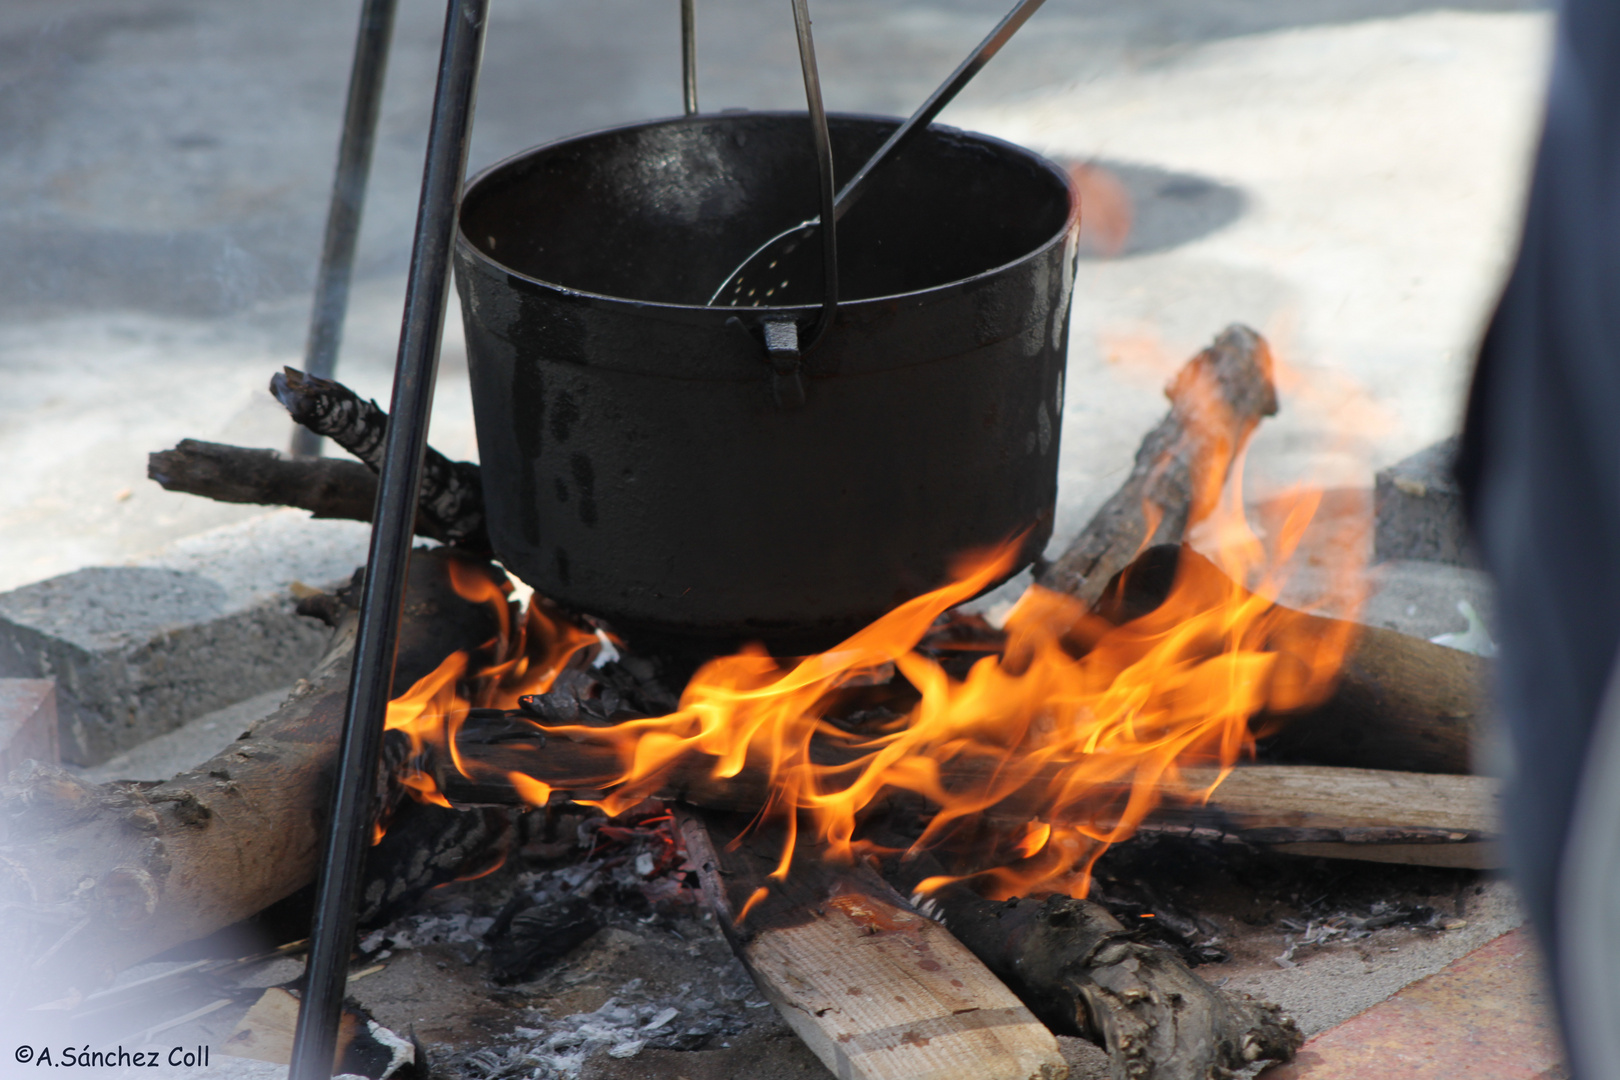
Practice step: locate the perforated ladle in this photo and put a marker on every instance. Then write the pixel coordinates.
(765, 276)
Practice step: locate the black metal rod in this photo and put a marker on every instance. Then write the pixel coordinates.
(689, 56)
(824, 166)
(937, 101)
(426, 293)
(348, 200)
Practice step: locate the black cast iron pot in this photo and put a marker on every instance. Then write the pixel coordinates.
(645, 460)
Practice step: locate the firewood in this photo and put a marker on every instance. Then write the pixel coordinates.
(327, 487)
(333, 488)
(875, 989)
(1369, 814)
(100, 878)
(1400, 702)
(1081, 972)
(364, 1047)
(452, 495)
(1216, 402)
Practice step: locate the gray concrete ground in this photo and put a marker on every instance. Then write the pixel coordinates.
(164, 167)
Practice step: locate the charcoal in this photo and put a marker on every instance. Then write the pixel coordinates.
(539, 935)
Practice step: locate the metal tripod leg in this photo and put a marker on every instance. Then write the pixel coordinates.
(348, 199)
(689, 56)
(426, 294)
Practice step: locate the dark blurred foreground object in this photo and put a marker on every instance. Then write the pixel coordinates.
(1540, 471)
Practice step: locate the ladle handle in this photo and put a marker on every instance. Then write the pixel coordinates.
(824, 166)
(936, 103)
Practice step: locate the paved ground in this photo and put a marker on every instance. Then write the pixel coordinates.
(164, 164)
(1485, 1016)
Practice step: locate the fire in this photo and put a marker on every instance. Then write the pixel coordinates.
(527, 655)
(1077, 725)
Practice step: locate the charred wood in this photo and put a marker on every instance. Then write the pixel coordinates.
(327, 487)
(526, 936)
(1344, 812)
(1083, 974)
(1216, 402)
(452, 495)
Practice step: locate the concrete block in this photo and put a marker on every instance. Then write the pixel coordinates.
(27, 723)
(138, 650)
(1417, 508)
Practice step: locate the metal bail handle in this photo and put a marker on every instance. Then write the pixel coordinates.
(824, 165)
(689, 57)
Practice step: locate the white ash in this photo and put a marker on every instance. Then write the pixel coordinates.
(1350, 927)
(414, 931)
(626, 1024)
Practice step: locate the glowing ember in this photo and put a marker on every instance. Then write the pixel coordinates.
(1090, 722)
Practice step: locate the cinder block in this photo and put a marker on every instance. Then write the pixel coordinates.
(138, 650)
(27, 723)
(1417, 507)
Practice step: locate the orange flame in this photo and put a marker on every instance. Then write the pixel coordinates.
(526, 660)
(1088, 722)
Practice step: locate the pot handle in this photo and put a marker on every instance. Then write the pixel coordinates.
(785, 357)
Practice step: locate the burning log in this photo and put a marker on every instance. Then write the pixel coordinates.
(874, 988)
(1370, 814)
(99, 878)
(1400, 702)
(1082, 973)
(452, 496)
(1216, 402)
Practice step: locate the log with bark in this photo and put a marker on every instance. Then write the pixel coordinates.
(1084, 974)
(1398, 702)
(96, 878)
(451, 497)
(1216, 402)
(874, 988)
(1368, 814)
(327, 487)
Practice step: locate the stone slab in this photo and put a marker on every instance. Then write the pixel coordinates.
(138, 650)
(27, 723)
(1418, 509)
(1486, 1016)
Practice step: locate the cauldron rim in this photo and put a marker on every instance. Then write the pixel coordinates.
(477, 253)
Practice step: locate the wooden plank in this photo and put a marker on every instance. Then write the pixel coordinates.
(1320, 796)
(875, 989)
(1484, 855)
